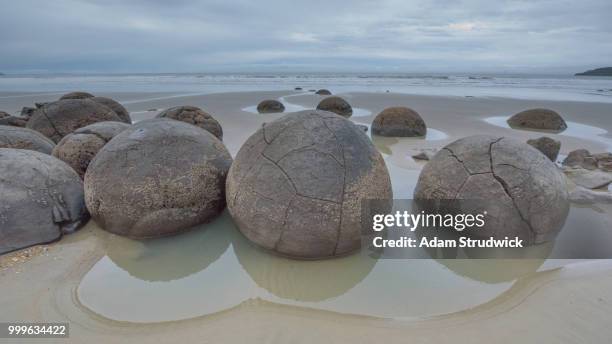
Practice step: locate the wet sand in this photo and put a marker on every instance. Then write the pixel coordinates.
(552, 301)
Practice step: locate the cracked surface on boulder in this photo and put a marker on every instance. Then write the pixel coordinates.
(297, 185)
(523, 192)
(42, 199)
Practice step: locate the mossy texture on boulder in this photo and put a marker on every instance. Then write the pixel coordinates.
(297, 185)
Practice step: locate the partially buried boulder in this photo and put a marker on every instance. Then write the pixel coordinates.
(195, 116)
(157, 178)
(58, 119)
(76, 95)
(121, 111)
(547, 146)
(399, 122)
(78, 148)
(297, 185)
(522, 191)
(42, 199)
(270, 106)
(336, 105)
(538, 119)
(323, 92)
(23, 138)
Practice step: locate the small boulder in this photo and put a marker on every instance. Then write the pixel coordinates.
(42, 199)
(399, 122)
(421, 156)
(78, 148)
(546, 145)
(323, 92)
(27, 112)
(121, 111)
(580, 158)
(194, 116)
(298, 88)
(336, 105)
(538, 119)
(23, 138)
(76, 95)
(58, 119)
(159, 177)
(270, 106)
(10, 120)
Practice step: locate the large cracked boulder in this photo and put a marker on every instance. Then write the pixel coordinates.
(79, 148)
(157, 178)
(76, 95)
(195, 116)
(23, 138)
(336, 105)
(121, 111)
(297, 185)
(399, 122)
(270, 106)
(538, 119)
(58, 119)
(42, 199)
(522, 191)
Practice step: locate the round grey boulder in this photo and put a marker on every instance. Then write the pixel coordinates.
(23, 138)
(547, 146)
(323, 92)
(336, 105)
(58, 119)
(270, 106)
(522, 191)
(76, 95)
(159, 177)
(121, 111)
(538, 119)
(78, 148)
(297, 185)
(195, 116)
(42, 199)
(399, 122)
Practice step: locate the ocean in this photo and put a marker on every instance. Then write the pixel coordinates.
(545, 87)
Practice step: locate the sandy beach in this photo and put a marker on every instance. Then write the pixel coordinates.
(545, 301)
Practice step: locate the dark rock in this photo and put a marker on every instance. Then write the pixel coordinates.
(159, 177)
(297, 185)
(123, 114)
(76, 95)
(399, 122)
(521, 189)
(605, 71)
(41, 104)
(546, 145)
(10, 120)
(298, 88)
(336, 105)
(538, 119)
(270, 106)
(27, 112)
(324, 92)
(58, 119)
(42, 199)
(421, 156)
(23, 138)
(78, 148)
(195, 116)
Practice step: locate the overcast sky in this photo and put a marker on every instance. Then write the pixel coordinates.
(311, 35)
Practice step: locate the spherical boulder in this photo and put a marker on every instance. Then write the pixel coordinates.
(522, 191)
(159, 177)
(336, 105)
(323, 92)
(270, 106)
(42, 199)
(76, 95)
(297, 185)
(399, 122)
(121, 111)
(538, 119)
(195, 116)
(78, 148)
(547, 146)
(23, 138)
(58, 119)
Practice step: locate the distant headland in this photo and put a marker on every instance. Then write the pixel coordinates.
(606, 71)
